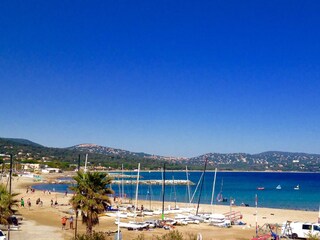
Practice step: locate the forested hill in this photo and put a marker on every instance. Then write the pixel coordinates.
(28, 151)
(267, 161)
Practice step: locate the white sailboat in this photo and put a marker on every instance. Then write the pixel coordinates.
(220, 197)
(133, 225)
(278, 187)
(216, 219)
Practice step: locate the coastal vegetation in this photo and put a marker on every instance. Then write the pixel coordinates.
(171, 235)
(94, 236)
(311, 236)
(7, 204)
(90, 197)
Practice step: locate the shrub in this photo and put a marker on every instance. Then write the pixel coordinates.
(311, 236)
(94, 236)
(172, 235)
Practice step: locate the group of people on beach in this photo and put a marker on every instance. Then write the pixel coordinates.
(22, 203)
(31, 190)
(54, 204)
(64, 222)
(39, 202)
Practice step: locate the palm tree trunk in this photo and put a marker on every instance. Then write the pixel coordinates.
(89, 223)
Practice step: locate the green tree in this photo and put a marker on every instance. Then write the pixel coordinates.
(90, 196)
(7, 204)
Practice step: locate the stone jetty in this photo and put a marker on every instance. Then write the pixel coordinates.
(154, 182)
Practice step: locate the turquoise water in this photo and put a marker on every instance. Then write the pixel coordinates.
(241, 186)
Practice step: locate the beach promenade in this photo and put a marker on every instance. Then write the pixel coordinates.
(44, 222)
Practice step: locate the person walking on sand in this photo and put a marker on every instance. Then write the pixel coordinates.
(22, 202)
(71, 222)
(63, 222)
(29, 203)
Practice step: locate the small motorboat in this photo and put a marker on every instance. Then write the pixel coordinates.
(297, 187)
(260, 188)
(278, 187)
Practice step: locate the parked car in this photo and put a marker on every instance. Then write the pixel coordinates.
(2, 236)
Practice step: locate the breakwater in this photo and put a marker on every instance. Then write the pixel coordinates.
(154, 182)
(131, 181)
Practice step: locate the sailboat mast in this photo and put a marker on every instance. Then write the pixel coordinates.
(256, 215)
(204, 172)
(122, 184)
(78, 164)
(85, 164)
(174, 192)
(188, 185)
(163, 189)
(137, 188)
(213, 187)
(149, 197)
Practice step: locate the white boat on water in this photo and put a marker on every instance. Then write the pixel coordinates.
(297, 187)
(278, 187)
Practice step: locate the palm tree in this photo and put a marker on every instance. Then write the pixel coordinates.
(7, 202)
(90, 196)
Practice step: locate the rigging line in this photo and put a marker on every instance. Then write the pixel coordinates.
(196, 188)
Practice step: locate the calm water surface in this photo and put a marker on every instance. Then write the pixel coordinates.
(241, 186)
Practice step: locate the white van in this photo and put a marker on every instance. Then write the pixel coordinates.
(300, 229)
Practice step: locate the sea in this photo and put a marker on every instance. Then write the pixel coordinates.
(241, 187)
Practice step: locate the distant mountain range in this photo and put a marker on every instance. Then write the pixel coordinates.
(267, 161)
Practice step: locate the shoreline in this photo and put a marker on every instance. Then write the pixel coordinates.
(49, 218)
(52, 179)
(235, 171)
(181, 203)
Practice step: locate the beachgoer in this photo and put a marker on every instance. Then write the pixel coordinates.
(51, 202)
(29, 203)
(71, 222)
(64, 222)
(66, 193)
(22, 202)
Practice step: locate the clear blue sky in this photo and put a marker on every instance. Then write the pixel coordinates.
(175, 78)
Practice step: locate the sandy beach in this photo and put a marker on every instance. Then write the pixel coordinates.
(44, 222)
